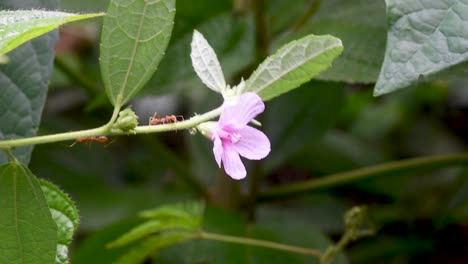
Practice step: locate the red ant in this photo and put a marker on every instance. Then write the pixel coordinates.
(90, 139)
(154, 120)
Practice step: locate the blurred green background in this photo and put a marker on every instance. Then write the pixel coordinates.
(329, 125)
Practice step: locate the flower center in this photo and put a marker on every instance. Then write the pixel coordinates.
(234, 137)
(224, 135)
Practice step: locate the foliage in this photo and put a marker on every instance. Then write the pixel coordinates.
(337, 151)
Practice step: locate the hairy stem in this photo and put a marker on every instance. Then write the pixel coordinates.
(414, 165)
(106, 130)
(258, 243)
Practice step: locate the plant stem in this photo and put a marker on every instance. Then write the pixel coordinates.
(404, 166)
(258, 243)
(10, 156)
(106, 130)
(90, 88)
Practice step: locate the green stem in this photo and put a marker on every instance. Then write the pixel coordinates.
(90, 88)
(10, 156)
(404, 166)
(258, 243)
(106, 130)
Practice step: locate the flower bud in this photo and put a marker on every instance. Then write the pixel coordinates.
(127, 120)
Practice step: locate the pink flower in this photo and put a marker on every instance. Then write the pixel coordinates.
(233, 137)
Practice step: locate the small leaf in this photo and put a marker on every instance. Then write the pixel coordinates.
(176, 217)
(135, 35)
(151, 245)
(424, 37)
(206, 64)
(150, 228)
(28, 234)
(65, 215)
(19, 26)
(293, 64)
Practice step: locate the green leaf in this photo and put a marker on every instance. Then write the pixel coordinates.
(293, 64)
(425, 37)
(134, 38)
(65, 215)
(23, 83)
(177, 217)
(189, 210)
(19, 26)
(28, 232)
(316, 108)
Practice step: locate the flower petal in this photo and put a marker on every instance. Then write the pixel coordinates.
(218, 150)
(253, 144)
(246, 108)
(233, 164)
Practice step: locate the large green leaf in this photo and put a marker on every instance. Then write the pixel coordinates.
(134, 38)
(23, 83)
(425, 37)
(19, 26)
(293, 64)
(27, 230)
(65, 215)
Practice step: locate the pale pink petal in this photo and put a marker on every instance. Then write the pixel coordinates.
(233, 164)
(246, 108)
(253, 144)
(218, 150)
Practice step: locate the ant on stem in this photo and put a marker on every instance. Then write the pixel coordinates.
(155, 120)
(90, 139)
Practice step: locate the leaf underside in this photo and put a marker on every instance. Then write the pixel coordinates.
(424, 38)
